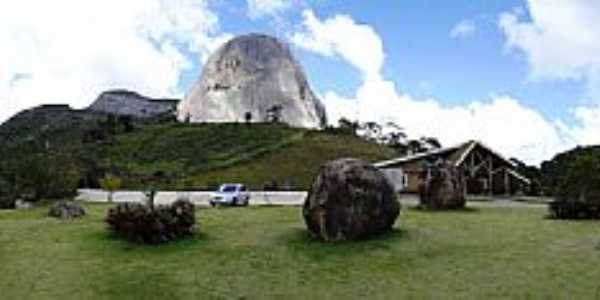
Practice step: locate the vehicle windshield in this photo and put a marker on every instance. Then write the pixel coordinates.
(228, 188)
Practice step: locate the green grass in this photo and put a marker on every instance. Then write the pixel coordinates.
(198, 156)
(297, 162)
(259, 253)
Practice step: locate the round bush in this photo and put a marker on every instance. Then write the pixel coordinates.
(144, 224)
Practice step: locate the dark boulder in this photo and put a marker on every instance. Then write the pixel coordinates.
(350, 199)
(66, 210)
(441, 187)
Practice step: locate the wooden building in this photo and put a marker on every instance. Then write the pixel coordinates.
(485, 170)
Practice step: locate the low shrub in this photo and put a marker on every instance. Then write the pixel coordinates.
(140, 223)
(66, 210)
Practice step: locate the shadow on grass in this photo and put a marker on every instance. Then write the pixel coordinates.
(102, 241)
(299, 241)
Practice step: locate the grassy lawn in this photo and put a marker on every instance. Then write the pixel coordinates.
(257, 253)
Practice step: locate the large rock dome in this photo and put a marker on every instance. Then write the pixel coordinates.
(248, 76)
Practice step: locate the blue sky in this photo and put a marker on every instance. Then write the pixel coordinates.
(421, 57)
(521, 75)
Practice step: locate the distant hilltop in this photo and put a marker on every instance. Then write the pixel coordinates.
(253, 78)
(128, 103)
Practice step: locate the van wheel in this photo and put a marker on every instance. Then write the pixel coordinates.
(234, 202)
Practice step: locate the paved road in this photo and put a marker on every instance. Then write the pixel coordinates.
(260, 198)
(198, 198)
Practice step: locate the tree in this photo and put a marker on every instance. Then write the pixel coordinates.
(248, 118)
(6, 194)
(347, 126)
(431, 143)
(110, 183)
(391, 135)
(395, 138)
(372, 131)
(532, 173)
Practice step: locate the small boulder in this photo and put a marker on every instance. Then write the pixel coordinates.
(66, 210)
(350, 199)
(441, 187)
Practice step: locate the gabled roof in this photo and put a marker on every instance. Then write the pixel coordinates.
(456, 155)
(455, 151)
(519, 176)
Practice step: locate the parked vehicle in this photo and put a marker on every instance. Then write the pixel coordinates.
(231, 195)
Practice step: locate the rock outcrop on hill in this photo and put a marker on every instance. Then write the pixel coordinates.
(250, 78)
(128, 103)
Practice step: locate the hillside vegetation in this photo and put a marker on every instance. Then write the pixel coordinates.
(170, 155)
(186, 156)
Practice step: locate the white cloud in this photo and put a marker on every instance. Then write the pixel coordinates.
(344, 38)
(586, 132)
(262, 8)
(463, 30)
(560, 42)
(68, 51)
(501, 121)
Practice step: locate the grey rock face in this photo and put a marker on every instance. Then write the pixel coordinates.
(248, 76)
(127, 103)
(350, 199)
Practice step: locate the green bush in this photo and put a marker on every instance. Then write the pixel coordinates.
(578, 191)
(143, 224)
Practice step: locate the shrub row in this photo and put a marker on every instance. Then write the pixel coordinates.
(140, 223)
(574, 210)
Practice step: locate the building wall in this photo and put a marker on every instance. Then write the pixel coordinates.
(408, 181)
(396, 177)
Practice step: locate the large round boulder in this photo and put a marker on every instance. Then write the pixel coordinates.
(442, 186)
(350, 199)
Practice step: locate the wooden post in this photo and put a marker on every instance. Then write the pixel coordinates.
(491, 175)
(506, 182)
